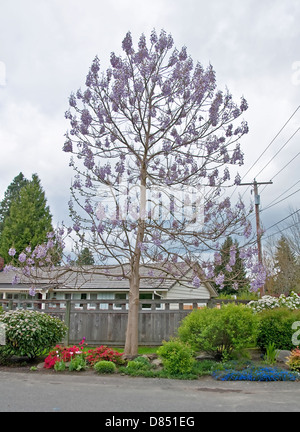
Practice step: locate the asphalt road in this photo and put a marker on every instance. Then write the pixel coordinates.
(34, 392)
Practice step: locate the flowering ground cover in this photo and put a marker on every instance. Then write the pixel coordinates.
(62, 355)
(254, 373)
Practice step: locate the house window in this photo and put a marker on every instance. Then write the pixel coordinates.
(79, 296)
(23, 304)
(105, 296)
(56, 298)
(92, 305)
(120, 296)
(149, 296)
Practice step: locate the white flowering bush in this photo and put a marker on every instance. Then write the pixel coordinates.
(268, 302)
(29, 333)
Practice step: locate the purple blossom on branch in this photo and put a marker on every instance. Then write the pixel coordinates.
(196, 282)
(219, 280)
(22, 257)
(12, 252)
(153, 119)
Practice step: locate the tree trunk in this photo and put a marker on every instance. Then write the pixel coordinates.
(132, 334)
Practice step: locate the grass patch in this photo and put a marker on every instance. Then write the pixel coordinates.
(141, 350)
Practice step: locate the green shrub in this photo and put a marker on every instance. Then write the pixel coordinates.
(139, 363)
(105, 367)
(77, 364)
(220, 331)
(177, 357)
(60, 366)
(204, 367)
(275, 326)
(29, 333)
(140, 366)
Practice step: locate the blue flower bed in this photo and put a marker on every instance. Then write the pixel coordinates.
(255, 374)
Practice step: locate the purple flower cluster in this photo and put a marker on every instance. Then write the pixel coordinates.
(152, 117)
(42, 257)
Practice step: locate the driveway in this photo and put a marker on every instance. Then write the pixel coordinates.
(34, 392)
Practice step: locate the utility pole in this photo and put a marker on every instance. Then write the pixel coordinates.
(255, 185)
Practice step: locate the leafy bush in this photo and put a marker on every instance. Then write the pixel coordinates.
(105, 367)
(60, 353)
(139, 363)
(30, 333)
(104, 353)
(61, 358)
(77, 363)
(177, 357)
(268, 302)
(294, 360)
(60, 366)
(275, 326)
(220, 331)
(204, 367)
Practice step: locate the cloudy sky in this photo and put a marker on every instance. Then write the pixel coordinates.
(47, 46)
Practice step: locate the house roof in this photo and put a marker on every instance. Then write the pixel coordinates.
(89, 278)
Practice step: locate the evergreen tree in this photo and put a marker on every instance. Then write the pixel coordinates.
(85, 257)
(287, 270)
(28, 222)
(232, 267)
(11, 194)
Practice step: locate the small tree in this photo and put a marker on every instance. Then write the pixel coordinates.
(287, 273)
(152, 141)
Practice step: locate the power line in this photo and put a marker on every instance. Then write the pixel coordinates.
(282, 220)
(252, 166)
(292, 160)
(282, 194)
(278, 202)
(281, 231)
(271, 142)
(282, 169)
(277, 153)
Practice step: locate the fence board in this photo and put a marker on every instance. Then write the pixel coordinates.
(108, 326)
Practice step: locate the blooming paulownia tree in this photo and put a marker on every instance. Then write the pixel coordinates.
(152, 141)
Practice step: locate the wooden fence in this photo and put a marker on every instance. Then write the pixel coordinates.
(105, 321)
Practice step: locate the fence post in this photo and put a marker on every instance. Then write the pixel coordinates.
(211, 304)
(67, 321)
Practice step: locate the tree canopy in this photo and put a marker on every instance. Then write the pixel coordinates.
(11, 194)
(28, 220)
(152, 142)
(287, 277)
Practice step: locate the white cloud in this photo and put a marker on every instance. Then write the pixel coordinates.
(49, 46)
(31, 142)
